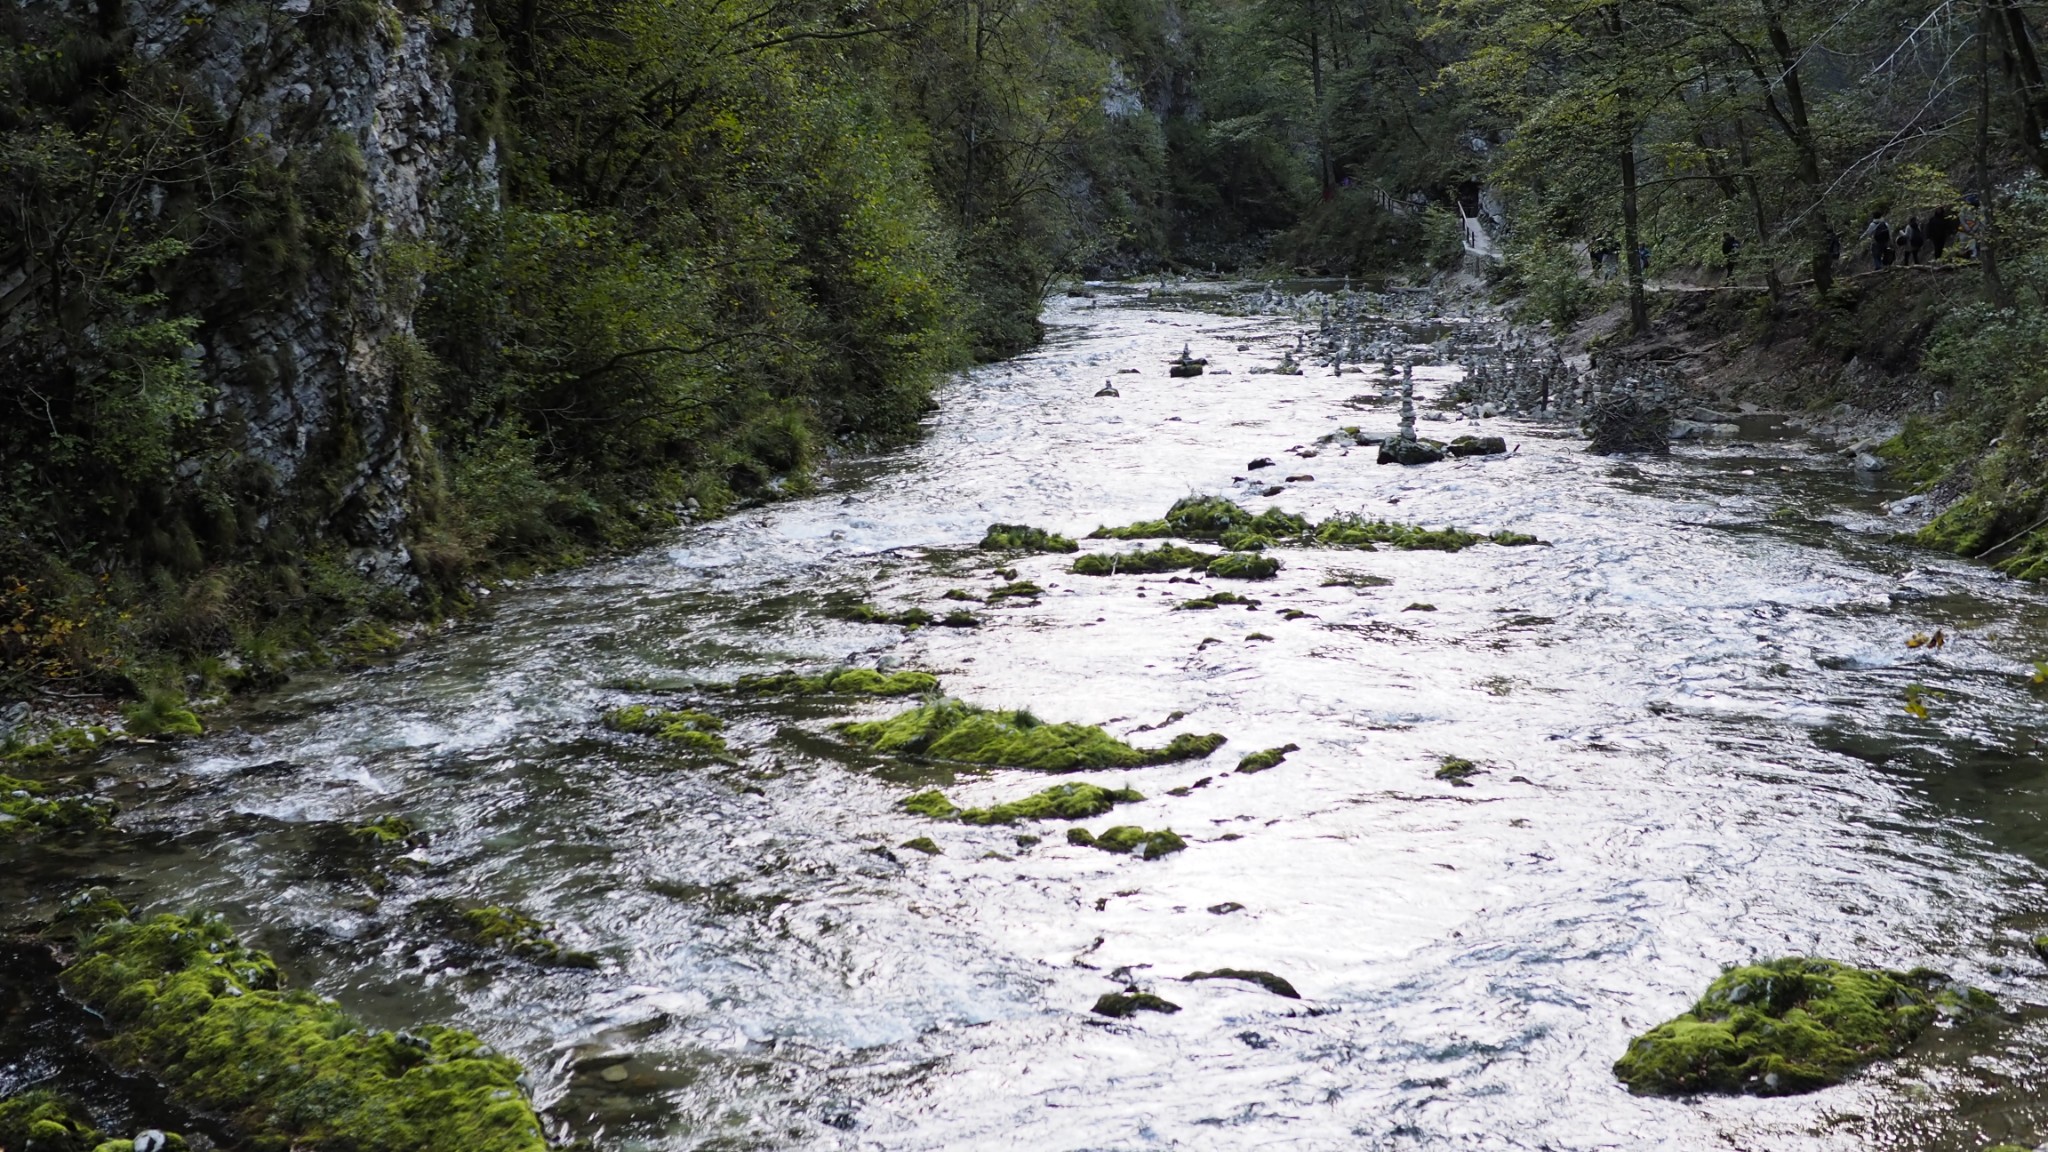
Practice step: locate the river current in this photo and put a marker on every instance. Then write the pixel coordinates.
(1688, 710)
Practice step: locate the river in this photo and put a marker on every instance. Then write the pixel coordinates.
(1688, 710)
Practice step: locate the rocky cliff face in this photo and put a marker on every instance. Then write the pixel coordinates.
(344, 115)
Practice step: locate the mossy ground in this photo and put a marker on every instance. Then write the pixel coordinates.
(1789, 1026)
(1125, 839)
(693, 731)
(1013, 738)
(1059, 802)
(840, 682)
(1025, 538)
(28, 810)
(187, 1003)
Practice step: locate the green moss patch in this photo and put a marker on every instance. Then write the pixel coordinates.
(1020, 589)
(694, 731)
(1025, 538)
(1508, 539)
(1014, 738)
(187, 1003)
(1123, 1004)
(1788, 1026)
(1145, 561)
(28, 810)
(1125, 839)
(514, 933)
(1243, 566)
(1059, 802)
(839, 682)
(1266, 758)
(1271, 983)
(61, 744)
(924, 844)
(386, 832)
(869, 614)
(161, 715)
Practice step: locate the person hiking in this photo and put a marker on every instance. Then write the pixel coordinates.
(1879, 233)
(1942, 226)
(1911, 239)
(1731, 247)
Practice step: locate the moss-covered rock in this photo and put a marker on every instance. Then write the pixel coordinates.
(61, 744)
(1239, 540)
(1122, 1004)
(1356, 532)
(1025, 538)
(1278, 986)
(514, 933)
(694, 731)
(1243, 566)
(187, 1003)
(1266, 758)
(839, 682)
(1215, 600)
(1021, 589)
(1477, 446)
(1788, 1026)
(1059, 802)
(924, 844)
(1125, 839)
(42, 1121)
(1508, 539)
(387, 832)
(869, 614)
(1013, 738)
(1209, 518)
(1145, 561)
(29, 810)
(1457, 770)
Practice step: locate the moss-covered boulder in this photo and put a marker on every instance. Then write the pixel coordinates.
(30, 810)
(1125, 839)
(1059, 802)
(161, 715)
(1014, 738)
(185, 1002)
(1788, 1026)
(693, 731)
(1145, 561)
(1215, 600)
(1508, 539)
(1016, 590)
(1243, 566)
(1457, 771)
(1025, 538)
(839, 682)
(61, 744)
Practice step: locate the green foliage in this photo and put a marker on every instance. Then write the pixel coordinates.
(1059, 802)
(1125, 839)
(1025, 538)
(692, 731)
(1788, 1026)
(953, 730)
(162, 713)
(188, 1003)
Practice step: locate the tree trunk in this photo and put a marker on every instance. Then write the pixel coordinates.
(1638, 305)
(1986, 256)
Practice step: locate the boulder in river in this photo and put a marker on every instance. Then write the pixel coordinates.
(1411, 451)
(1123, 1004)
(1107, 389)
(1478, 446)
(1278, 986)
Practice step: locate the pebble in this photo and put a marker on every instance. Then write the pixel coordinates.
(616, 1074)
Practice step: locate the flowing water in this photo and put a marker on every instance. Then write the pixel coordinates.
(1688, 709)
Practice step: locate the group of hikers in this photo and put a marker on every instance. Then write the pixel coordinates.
(1917, 241)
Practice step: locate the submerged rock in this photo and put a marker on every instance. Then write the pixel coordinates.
(1263, 979)
(1014, 738)
(1059, 802)
(693, 731)
(1123, 1004)
(508, 931)
(185, 1002)
(1788, 1026)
